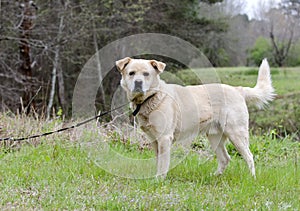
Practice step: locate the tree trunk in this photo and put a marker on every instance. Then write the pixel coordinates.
(54, 70)
(99, 67)
(24, 47)
(281, 52)
(61, 90)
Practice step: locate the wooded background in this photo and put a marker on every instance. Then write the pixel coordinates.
(45, 43)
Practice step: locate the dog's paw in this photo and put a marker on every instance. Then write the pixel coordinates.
(218, 173)
(161, 177)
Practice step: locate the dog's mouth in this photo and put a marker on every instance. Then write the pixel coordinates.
(137, 95)
(137, 98)
(138, 90)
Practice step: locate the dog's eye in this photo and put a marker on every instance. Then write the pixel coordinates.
(146, 74)
(131, 73)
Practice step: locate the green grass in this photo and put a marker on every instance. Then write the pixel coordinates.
(66, 171)
(60, 175)
(285, 80)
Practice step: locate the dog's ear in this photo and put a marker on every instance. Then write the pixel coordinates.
(158, 66)
(122, 63)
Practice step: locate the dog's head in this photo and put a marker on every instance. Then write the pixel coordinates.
(140, 78)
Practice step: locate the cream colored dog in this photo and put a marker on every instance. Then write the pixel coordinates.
(169, 112)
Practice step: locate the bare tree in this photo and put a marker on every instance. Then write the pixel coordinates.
(55, 69)
(282, 27)
(26, 25)
(291, 7)
(281, 49)
(261, 9)
(98, 64)
(232, 8)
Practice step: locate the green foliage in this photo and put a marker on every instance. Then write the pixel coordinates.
(217, 55)
(59, 113)
(261, 49)
(294, 55)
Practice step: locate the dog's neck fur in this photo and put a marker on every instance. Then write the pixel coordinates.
(138, 106)
(140, 98)
(149, 104)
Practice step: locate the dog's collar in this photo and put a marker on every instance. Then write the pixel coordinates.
(138, 106)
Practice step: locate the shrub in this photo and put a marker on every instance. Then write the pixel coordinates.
(261, 49)
(294, 55)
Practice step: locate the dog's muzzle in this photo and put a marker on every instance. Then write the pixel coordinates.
(138, 86)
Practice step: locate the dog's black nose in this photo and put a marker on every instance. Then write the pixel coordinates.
(138, 85)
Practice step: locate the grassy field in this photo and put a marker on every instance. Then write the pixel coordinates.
(60, 173)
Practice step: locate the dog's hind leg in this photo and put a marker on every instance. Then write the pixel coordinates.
(217, 142)
(240, 139)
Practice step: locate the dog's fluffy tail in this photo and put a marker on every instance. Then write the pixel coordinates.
(263, 92)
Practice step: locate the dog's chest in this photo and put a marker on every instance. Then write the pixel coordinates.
(146, 127)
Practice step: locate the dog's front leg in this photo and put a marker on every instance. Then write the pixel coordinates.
(163, 155)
